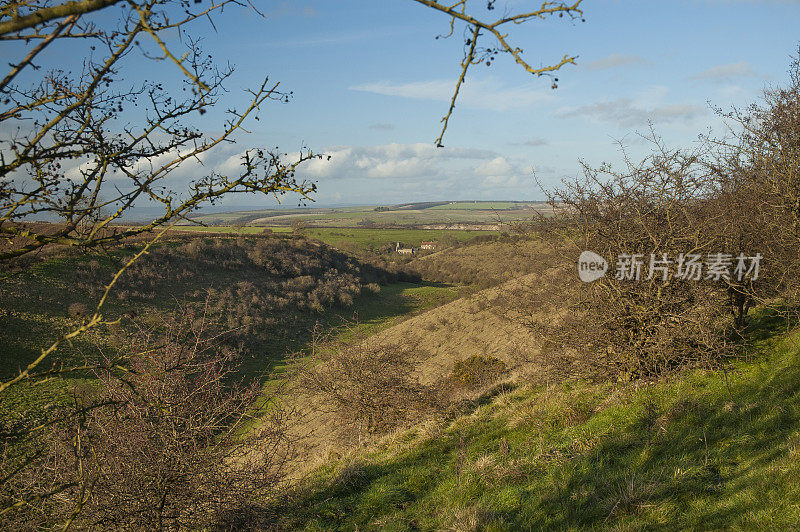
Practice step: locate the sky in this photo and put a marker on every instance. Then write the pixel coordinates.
(370, 83)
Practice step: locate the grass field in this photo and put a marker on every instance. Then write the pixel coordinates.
(488, 205)
(700, 451)
(353, 238)
(394, 303)
(372, 313)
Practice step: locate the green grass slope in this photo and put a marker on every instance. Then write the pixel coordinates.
(698, 451)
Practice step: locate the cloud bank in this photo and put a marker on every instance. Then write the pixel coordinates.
(487, 93)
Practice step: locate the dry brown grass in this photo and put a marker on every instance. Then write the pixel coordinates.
(487, 324)
(486, 264)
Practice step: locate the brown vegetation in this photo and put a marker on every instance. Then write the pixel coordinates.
(369, 388)
(253, 285)
(723, 199)
(167, 442)
(486, 261)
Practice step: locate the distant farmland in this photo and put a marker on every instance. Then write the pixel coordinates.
(490, 205)
(370, 239)
(409, 214)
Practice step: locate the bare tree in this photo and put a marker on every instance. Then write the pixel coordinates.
(169, 441)
(370, 388)
(645, 317)
(478, 26)
(78, 123)
(72, 149)
(758, 168)
(694, 237)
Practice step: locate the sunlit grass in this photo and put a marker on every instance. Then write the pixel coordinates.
(687, 453)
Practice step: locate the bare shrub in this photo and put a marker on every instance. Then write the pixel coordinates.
(759, 171)
(170, 442)
(258, 285)
(649, 323)
(733, 197)
(372, 388)
(476, 372)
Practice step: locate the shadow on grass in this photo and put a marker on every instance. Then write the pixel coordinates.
(701, 458)
(765, 323)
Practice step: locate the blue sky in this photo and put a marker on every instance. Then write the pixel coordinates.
(371, 82)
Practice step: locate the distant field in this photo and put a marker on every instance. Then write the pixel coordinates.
(245, 230)
(488, 205)
(375, 238)
(480, 212)
(362, 238)
(399, 217)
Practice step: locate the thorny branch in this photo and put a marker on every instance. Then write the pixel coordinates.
(458, 11)
(87, 148)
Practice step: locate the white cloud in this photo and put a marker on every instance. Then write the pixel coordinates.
(382, 174)
(488, 93)
(728, 72)
(626, 112)
(617, 61)
(399, 161)
(498, 166)
(401, 172)
(505, 182)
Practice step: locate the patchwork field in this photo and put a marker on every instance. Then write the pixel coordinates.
(472, 212)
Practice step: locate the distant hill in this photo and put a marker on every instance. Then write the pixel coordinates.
(402, 214)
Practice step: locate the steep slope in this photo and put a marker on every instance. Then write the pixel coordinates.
(488, 323)
(702, 450)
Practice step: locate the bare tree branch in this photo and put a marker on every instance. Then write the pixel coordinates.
(458, 11)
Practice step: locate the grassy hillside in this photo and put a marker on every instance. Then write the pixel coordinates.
(268, 292)
(703, 450)
(251, 284)
(486, 263)
(531, 450)
(483, 322)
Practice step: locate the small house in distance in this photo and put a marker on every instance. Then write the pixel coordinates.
(427, 245)
(403, 251)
